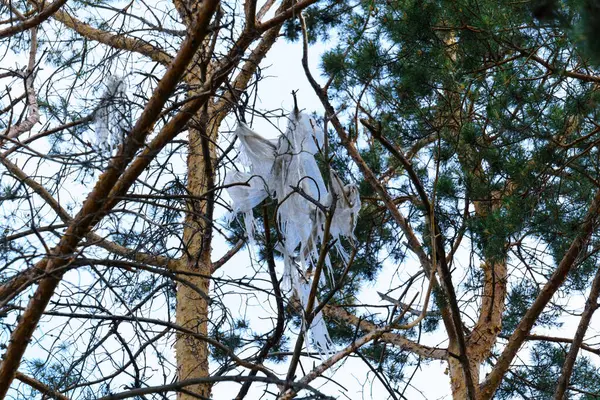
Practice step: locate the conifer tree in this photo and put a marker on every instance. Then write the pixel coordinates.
(469, 127)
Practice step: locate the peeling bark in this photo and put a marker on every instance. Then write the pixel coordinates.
(488, 327)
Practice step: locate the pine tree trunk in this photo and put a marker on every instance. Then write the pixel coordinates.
(484, 334)
(458, 384)
(192, 306)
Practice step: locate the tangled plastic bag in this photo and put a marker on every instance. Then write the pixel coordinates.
(285, 169)
(112, 118)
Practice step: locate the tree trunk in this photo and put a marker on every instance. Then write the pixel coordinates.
(485, 333)
(458, 383)
(192, 306)
(482, 338)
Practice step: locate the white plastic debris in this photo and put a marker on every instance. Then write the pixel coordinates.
(256, 152)
(346, 211)
(110, 120)
(318, 328)
(295, 169)
(285, 169)
(248, 191)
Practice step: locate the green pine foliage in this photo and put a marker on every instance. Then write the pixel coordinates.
(511, 130)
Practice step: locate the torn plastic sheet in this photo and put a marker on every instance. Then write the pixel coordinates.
(281, 169)
(111, 120)
(246, 197)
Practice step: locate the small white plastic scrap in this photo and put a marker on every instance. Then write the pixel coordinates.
(318, 328)
(256, 152)
(109, 120)
(286, 170)
(346, 211)
(247, 191)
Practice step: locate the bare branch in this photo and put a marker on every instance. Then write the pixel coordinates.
(40, 387)
(43, 14)
(589, 224)
(591, 305)
(117, 41)
(33, 116)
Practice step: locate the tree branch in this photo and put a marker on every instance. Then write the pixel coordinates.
(319, 370)
(338, 313)
(33, 116)
(40, 387)
(92, 209)
(40, 17)
(117, 41)
(591, 305)
(589, 224)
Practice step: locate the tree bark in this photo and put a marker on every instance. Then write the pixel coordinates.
(578, 245)
(591, 305)
(192, 308)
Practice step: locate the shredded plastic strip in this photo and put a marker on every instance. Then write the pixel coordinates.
(285, 169)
